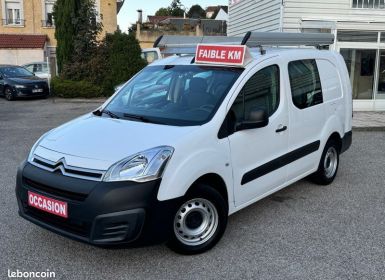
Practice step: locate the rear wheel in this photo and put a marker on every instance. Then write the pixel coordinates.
(8, 94)
(199, 222)
(328, 166)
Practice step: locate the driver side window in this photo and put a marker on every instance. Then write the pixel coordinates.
(261, 92)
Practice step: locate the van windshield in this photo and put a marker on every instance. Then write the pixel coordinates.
(180, 95)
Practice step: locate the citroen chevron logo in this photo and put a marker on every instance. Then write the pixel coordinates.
(67, 170)
(60, 165)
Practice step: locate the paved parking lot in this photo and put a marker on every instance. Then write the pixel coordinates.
(302, 232)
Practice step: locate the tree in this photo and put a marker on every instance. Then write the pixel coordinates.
(85, 42)
(87, 29)
(196, 11)
(163, 12)
(64, 11)
(77, 30)
(175, 9)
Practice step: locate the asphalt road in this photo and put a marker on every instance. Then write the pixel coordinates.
(302, 232)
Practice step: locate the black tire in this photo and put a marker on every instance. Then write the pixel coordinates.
(203, 197)
(8, 94)
(328, 166)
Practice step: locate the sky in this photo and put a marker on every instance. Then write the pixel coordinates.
(128, 14)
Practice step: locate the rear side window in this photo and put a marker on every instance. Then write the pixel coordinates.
(330, 80)
(305, 83)
(260, 92)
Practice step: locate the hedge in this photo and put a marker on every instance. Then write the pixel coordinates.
(75, 89)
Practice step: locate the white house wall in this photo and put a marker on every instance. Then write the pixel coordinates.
(295, 11)
(20, 56)
(251, 15)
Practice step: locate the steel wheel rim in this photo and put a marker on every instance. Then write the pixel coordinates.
(201, 231)
(330, 162)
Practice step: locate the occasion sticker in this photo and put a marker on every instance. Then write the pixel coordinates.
(49, 205)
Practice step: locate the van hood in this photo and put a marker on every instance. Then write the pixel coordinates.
(101, 142)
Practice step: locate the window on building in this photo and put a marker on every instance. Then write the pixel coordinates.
(13, 12)
(48, 20)
(262, 91)
(368, 4)
(305, 83)
(357, 36)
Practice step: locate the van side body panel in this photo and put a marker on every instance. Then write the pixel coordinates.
(196, 155)
(202, 152)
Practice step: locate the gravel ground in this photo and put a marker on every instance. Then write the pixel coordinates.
(302, 232)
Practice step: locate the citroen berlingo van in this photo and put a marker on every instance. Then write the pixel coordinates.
(192, 139)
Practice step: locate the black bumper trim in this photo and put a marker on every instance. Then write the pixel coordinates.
(112, 213)
(346, 141)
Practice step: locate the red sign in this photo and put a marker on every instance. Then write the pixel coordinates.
(49, 205)
(220, 54)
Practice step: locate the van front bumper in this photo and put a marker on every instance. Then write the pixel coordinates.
(99, 213)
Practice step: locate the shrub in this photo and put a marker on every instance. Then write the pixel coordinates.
(115, 60)
(121, 54)
(73, 89)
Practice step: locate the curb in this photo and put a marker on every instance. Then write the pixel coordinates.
(78, 100)
(369, 128)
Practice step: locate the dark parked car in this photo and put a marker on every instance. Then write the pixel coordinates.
(16, 81)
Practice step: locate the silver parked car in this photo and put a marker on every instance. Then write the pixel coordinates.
(40, 69)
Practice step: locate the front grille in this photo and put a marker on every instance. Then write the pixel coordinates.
(81, 173)
(54, 191)
(72, 226)
(37, 85)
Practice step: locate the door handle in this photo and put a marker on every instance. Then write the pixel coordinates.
(281, 128)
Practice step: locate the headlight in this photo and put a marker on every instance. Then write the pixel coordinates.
(20, 86)
(32, 152)
(142, 167)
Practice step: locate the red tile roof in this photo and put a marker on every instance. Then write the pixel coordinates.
(19, 41)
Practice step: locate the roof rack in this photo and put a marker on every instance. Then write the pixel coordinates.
(257, 39)
(170, 44)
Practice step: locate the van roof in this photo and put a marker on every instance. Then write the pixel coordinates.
(255, 53)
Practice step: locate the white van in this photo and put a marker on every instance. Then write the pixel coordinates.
(192, 139)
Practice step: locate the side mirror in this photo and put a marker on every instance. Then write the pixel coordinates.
(257, 118)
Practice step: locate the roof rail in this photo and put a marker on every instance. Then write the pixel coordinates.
(257, 39)
(170, 44)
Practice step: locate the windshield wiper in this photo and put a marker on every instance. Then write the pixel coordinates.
(136, 117)
(101, 112)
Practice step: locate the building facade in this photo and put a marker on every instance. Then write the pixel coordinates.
(25, 19)
(358, 27)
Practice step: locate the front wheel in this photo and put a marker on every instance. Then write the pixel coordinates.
(8, 94)
(199, 222)
(328, 166)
